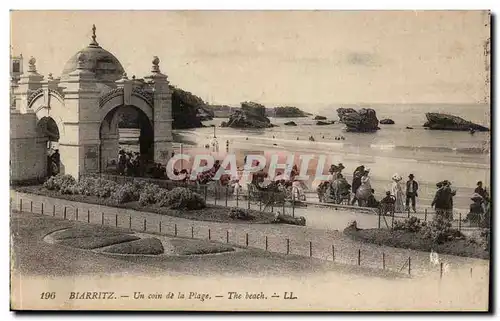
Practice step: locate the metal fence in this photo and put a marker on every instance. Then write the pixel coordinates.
(286, 204)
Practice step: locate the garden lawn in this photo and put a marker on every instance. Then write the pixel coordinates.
(151, 246)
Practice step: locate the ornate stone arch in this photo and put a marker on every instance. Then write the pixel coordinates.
(53, 109)
(115, 100)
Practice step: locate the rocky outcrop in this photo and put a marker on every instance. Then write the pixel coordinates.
(440, 121)
(364, 120)
(286, 111)
(322, 123)
(290, 123)
(319, 118)
(251, 115)
(188, 110)
(387, 121)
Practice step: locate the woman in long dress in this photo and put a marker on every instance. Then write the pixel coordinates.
(365, 190)
(397, 192)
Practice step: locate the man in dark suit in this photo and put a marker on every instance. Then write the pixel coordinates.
(411, 193)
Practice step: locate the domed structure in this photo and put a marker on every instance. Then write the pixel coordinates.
(98, 60)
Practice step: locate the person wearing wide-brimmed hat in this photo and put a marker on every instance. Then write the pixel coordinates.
(397, 192)
(411, 192)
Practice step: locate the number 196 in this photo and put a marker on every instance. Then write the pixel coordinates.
(48, 296)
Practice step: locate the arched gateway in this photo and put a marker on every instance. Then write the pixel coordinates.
(86, 104)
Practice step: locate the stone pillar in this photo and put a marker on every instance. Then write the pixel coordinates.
(80, 146)
(162, 113)
(27, 85)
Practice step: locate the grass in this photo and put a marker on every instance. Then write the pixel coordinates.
(212, 213)
(414, 241)
(91, 242)
(88, 231)
(150, 246)
(190, 247)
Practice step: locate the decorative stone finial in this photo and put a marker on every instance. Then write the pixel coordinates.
(32, 64)
(50, 76)
(156, 64)
(94, 42)
(81, 60)
(133, 77)
(124, 76)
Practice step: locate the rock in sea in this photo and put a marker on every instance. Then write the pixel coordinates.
(440, 121)
(251, 115)
(387, 121)
(364, 120)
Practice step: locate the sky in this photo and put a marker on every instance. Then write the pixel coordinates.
(301, 58)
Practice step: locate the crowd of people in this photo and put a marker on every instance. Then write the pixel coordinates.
(336, 189)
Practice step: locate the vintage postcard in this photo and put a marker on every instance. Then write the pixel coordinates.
(250, 160)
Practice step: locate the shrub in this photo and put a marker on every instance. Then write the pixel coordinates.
(125, 193)
(182, 198)
(240, 214)
(149, 194)
(412, 224)
(104, 188)
(59, 181)
(439, 230)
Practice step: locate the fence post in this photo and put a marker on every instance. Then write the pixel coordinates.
(392, 223)
(20, 204)
(102, 218)
(425, 217)
(215, 196)
(246, 239)
(159, 226)
(459, 221)
(64, 215)
(409, 265)
(175, 229)
(379, 213)
(283, 206)
(441, 270)
(359, 257)
(237, 195)
(116, 220)
(408, 212)
(287, 246)
(293, 204)
(145, 224)
(42, 208)
(310, 249)
(130, 222)
(192, 232)
(227, 236)
(226, 194)
(333, 252)
(260, 203)
(266, 242)
(54, 210)
(31, 206)
(209, 235)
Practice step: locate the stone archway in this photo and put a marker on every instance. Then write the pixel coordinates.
(126, 126)
(48, 135)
